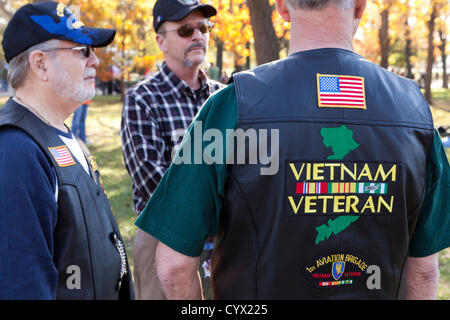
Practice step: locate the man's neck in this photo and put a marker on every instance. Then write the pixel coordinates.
(190, 75)
(321, 29)
(48, 108)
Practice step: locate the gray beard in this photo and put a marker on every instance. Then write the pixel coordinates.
(65, 88)
(78, 94)
(188, 63)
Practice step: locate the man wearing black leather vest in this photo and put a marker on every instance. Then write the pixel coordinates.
(59, 238)
(321, 174)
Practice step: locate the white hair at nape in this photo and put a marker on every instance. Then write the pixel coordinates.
(18, 67)
(319, 4)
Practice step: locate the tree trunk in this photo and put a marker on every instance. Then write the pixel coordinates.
(219, 55)
(442, 47)
(383, 36)
(267, 47)
(220, 45)
(122, 73)
(247, 60)
(238, 66)
(430, 57)
(408, 50)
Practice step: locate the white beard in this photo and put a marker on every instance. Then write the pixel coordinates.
(78, 94)
(64, 87)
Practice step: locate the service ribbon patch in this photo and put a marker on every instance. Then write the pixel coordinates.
(62, 156)
(339, 91)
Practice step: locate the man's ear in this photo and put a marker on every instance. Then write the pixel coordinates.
(283, 10)
(360, 6)
(39, 64)
(161, 41)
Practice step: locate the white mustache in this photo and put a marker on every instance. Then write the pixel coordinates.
(90, 72)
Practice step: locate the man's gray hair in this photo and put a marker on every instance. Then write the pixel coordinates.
(319, 4)
(19, 66)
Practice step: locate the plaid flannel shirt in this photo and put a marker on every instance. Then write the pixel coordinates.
(154, 112)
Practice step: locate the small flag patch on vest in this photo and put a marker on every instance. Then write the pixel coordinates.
(62, 156)
(339, 91)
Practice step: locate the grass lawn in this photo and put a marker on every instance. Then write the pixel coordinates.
(103, 130)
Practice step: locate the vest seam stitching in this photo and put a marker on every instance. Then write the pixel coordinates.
(89, 244)
(244, 199)
(345, 121)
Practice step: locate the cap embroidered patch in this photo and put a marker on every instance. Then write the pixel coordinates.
(339, 91)
(188, 2)
(62, 156)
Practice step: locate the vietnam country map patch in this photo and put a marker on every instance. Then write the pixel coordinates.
(340, 91)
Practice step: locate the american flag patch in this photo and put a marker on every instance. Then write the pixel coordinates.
(341, 91)
(62, 156)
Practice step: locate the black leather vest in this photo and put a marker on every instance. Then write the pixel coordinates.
(89, 253)
(336, 220)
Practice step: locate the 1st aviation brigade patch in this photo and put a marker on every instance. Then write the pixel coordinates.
(336, 270)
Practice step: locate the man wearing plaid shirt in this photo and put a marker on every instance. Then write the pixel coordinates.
(156, 110)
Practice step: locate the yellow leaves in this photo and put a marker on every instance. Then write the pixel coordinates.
(146, 62)
(134, 45)
(232, 25)
(282, 28)
(118, 22)
(132, 20)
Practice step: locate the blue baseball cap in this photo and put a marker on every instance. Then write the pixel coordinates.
(176, 10)
(38, 22)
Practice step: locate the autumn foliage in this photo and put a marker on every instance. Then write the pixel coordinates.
(406, 36)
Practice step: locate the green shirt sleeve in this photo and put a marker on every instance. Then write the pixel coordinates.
(184, 209)
(432, 232)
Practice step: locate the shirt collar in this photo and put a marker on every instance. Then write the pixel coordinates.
(180, 87)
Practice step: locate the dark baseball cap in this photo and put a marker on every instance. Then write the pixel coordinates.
(38, 22)
(176, 10)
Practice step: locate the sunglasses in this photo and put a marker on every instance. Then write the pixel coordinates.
(84, 50)
(187, 30)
